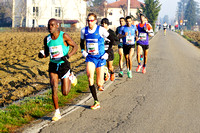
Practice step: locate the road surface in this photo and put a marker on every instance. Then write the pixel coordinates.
(164, 100)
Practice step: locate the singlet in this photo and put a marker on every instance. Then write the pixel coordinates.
(143, 35)
(94, 43)
(130, 38)
(57, 48)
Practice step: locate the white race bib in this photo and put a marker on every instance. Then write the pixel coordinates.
(56, 52)
(130, 40)
(143, 36)
(92, 48)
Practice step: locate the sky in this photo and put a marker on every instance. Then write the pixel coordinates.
(168, 7)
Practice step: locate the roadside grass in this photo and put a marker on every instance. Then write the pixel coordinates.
(19, 114)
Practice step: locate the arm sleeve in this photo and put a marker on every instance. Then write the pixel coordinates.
(46, 48)
(82, 39)
(82, 44)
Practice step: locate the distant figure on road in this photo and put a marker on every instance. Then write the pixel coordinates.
(165, 28)
(95, 54)
(57, 44)
(144, 31)
(120, 46)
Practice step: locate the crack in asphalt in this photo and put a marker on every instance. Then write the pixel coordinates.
(139, 99)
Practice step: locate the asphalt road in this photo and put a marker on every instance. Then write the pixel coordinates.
(164, 100)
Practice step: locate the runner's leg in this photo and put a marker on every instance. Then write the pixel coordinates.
(54, 85)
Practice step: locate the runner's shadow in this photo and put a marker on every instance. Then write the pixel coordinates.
(46, 118)
(79, 105)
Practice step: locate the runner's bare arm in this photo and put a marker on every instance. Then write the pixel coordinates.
(69, 41)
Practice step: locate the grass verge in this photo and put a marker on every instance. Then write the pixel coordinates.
(31, 108)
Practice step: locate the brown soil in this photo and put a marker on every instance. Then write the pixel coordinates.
(22, 72)
(194, 35)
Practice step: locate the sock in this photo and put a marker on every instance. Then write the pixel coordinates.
(93, 91)
(57, 111)
(139, 64)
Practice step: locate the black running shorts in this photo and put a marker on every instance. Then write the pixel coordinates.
(127, 48)
(60, 69)
(144, 47)
(110, 55)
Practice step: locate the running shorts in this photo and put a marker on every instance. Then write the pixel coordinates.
(110, 55)
(97, 61)
(62, 69)
(126, 48)
(144, 47)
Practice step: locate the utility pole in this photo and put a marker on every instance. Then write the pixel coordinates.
(128, 7)
(13, 14)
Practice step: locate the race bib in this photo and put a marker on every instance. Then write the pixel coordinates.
(56, 52)
(143, 36)
(92, 48)
(130, 40)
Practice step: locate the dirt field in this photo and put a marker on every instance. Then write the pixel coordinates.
(21, 71)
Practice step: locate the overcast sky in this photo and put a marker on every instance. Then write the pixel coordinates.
(168, 7)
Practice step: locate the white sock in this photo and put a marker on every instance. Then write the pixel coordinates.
(57, 111)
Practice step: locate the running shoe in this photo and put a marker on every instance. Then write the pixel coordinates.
(129, 73)
(138, 68)
(96, 105)
(106, 74)
(144, 70)
(101, 88)
(141, 57)
(56, 116)
(112, 77)
(121, 74)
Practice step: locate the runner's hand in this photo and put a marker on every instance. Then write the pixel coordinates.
(65, 58)
(105, 56)
(41, 54)
(84, 53)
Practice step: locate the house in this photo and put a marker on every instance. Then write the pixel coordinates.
(118, 9)
(36, 13)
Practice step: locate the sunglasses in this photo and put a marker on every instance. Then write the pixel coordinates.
(90, 20)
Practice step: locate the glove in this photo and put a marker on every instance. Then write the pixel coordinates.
(41, 54)
(84, 53)
(65, 58)
(105, 56)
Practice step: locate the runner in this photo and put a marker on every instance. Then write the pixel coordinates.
(127, 34)
(108, 48)
(57, 44)
(95, 54)
(120, 46)
(164, 28)
(144, 31)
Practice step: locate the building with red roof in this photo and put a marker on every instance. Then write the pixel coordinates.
(118, 9)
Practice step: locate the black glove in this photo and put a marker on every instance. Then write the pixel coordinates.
(41, 54)
(65, 58)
